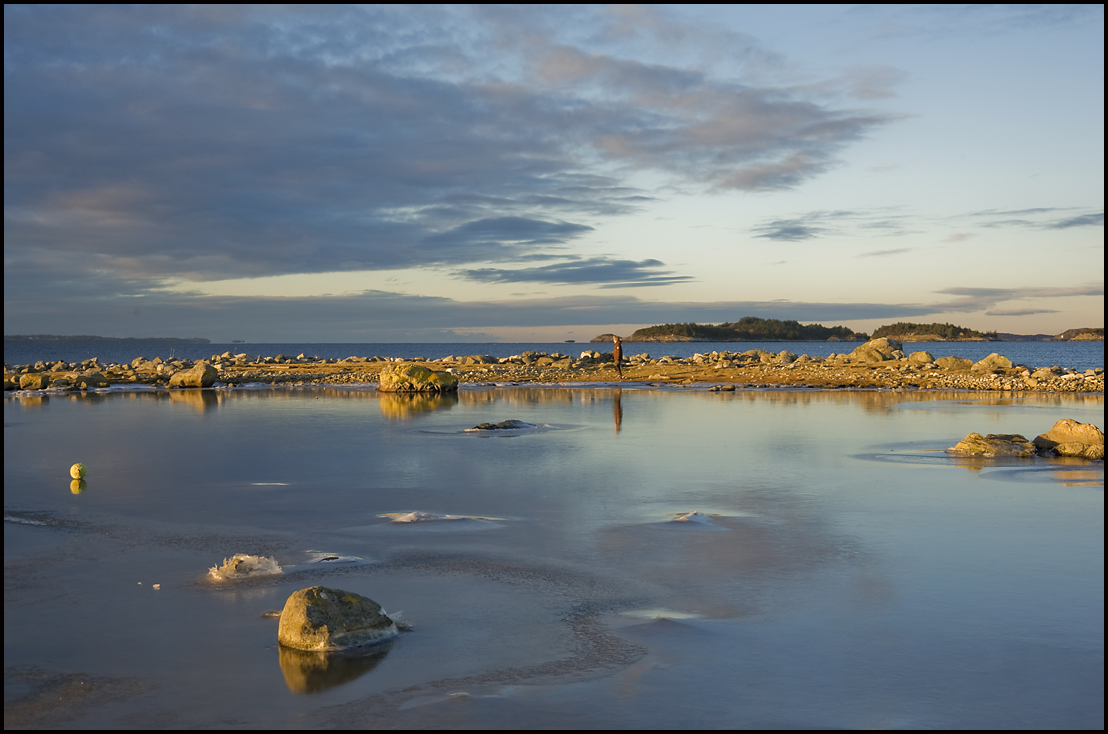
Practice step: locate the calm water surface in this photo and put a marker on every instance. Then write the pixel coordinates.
(850, 575)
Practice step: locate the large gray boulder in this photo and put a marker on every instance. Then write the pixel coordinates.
(878, 350)
(201, 375)
(1070, 438)
(994, 444)
(330, 620)
(920, 358)
(415, 378)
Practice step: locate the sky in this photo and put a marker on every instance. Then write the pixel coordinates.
(497, 173)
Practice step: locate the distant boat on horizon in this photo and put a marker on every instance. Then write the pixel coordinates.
(570, 341)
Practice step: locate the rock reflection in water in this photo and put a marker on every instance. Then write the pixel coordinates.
(199, 399)
(314, 672)
(405, 406)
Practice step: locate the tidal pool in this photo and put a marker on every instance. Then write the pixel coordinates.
(844, 572)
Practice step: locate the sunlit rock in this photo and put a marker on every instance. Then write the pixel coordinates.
(993, 362)
(878, 350)
(994, 444)
(200, 375)
(1070, 438)
(415, 378)
(326, 620)
(954, 363)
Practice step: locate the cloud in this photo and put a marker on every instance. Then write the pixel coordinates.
(209, 143)
(833, 223)
(498, 232)
(613, 273)
(1019, 312)
(1083, 220)
(883, 253)
(1036, 218)
(981, 299)
(789, 230)
(959, 237)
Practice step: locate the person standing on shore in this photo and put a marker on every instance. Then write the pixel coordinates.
(617, 355)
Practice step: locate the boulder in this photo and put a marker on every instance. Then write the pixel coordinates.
(1070, 438)
(415, 378)
(34, 381)
(501, 426)
(993, 362)
(878, 350)
(330, 620)
(92, 378)
(954, 363)
(994, 444)
(201, 375)
(920, 358)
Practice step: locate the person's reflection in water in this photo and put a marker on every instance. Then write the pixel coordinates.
(618, 410)
(313, 672)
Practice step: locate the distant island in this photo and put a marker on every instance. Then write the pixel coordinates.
(748, 328)
(906, 331)
(1085, 334)
(103, 339)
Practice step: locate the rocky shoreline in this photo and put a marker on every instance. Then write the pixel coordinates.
(877, 364)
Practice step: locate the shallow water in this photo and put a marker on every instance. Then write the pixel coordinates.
(846, 572)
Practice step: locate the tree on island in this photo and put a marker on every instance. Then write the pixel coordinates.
(748, 328)
(946, 331)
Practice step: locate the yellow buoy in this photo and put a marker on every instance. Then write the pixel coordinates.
(77, 471)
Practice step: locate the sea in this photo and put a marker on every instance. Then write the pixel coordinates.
(626, 557)
(1077, 355)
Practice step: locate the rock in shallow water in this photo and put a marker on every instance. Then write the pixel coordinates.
(1070, 438)
(994, 444)
(501, 426)
(328, 620)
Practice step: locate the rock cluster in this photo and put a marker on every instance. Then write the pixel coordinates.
(1066, 438)
(879, 363)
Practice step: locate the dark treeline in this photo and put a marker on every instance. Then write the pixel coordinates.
(750, 328)
(946, 331)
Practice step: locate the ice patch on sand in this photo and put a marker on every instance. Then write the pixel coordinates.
(241, 566)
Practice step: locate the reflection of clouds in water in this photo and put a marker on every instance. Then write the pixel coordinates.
(709, 570)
